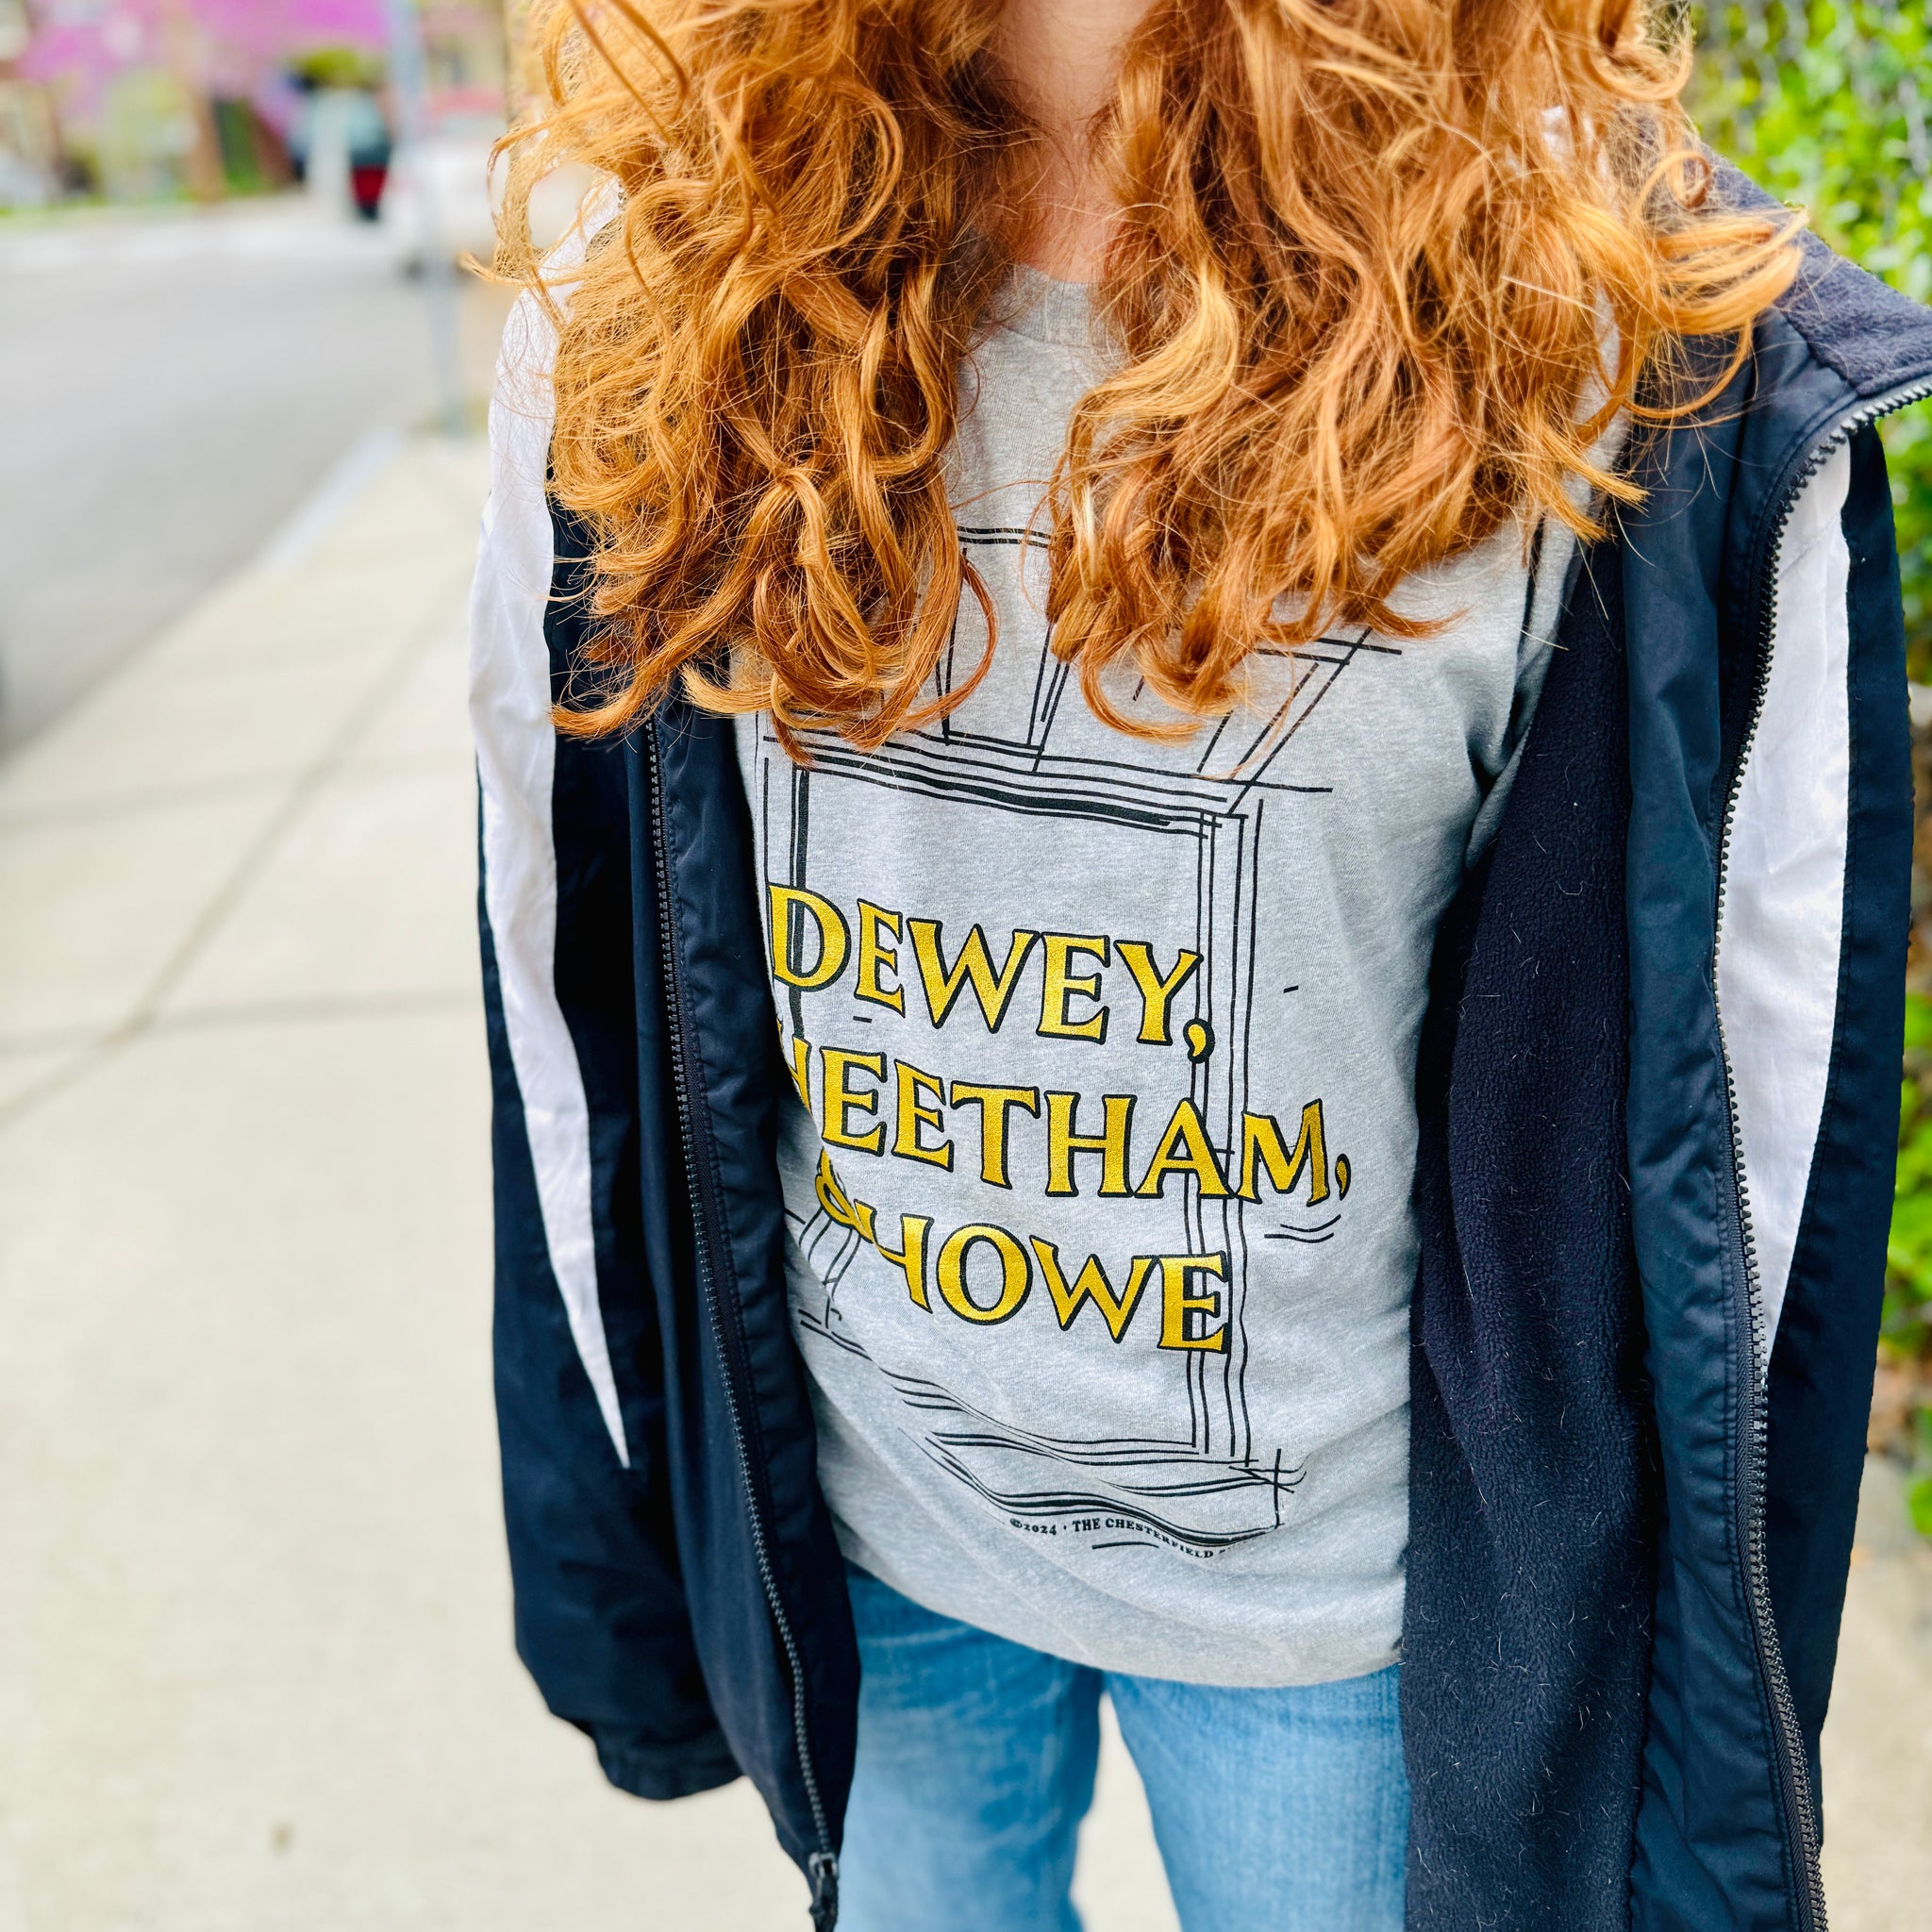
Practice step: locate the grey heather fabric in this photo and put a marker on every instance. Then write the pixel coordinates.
(1103, 1237)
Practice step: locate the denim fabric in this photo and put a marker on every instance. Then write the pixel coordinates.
(1274, 1811)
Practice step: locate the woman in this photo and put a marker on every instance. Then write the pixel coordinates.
(1144, 674)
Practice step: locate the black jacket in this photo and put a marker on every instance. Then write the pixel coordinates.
(1629, 1545)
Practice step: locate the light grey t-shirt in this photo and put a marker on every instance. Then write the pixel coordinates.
(1103, 1244)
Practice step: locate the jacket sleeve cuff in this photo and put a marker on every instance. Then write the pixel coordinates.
(648, 1768)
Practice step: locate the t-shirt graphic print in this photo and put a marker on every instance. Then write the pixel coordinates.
(1104, 1051)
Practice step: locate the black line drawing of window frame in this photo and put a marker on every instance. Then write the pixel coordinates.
(1219, 804)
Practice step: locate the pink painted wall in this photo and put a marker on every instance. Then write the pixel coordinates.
(234, 46)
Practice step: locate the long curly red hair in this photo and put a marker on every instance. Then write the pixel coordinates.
(1382, 273)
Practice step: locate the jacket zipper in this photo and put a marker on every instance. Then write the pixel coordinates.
(821, 1867)
(1794, 1776)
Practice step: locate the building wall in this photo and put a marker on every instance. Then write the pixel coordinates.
(146, 99)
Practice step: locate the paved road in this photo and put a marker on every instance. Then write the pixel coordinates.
(172, 387)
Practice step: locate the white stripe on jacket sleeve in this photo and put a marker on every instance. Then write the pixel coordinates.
(1783, 914)
(516, 756)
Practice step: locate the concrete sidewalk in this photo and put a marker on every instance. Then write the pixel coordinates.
(255, 1660)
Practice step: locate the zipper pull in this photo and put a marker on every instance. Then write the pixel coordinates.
(822, 1869)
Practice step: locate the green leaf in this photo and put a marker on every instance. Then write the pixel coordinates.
(1919, 1504)
(1918, 1022)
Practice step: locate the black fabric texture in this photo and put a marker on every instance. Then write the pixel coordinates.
(1821, 1366)
(1711, 1848)
(647, 1769)
(1711, 1839)
(1527, 1620)
(600, 1618)
(741, 1414)
(1865, 333)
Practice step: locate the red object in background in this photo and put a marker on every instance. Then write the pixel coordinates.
(365, 184)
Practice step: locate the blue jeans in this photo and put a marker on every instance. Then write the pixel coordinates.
(1274, 1811)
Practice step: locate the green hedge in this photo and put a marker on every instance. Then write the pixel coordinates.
(1824, 106)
